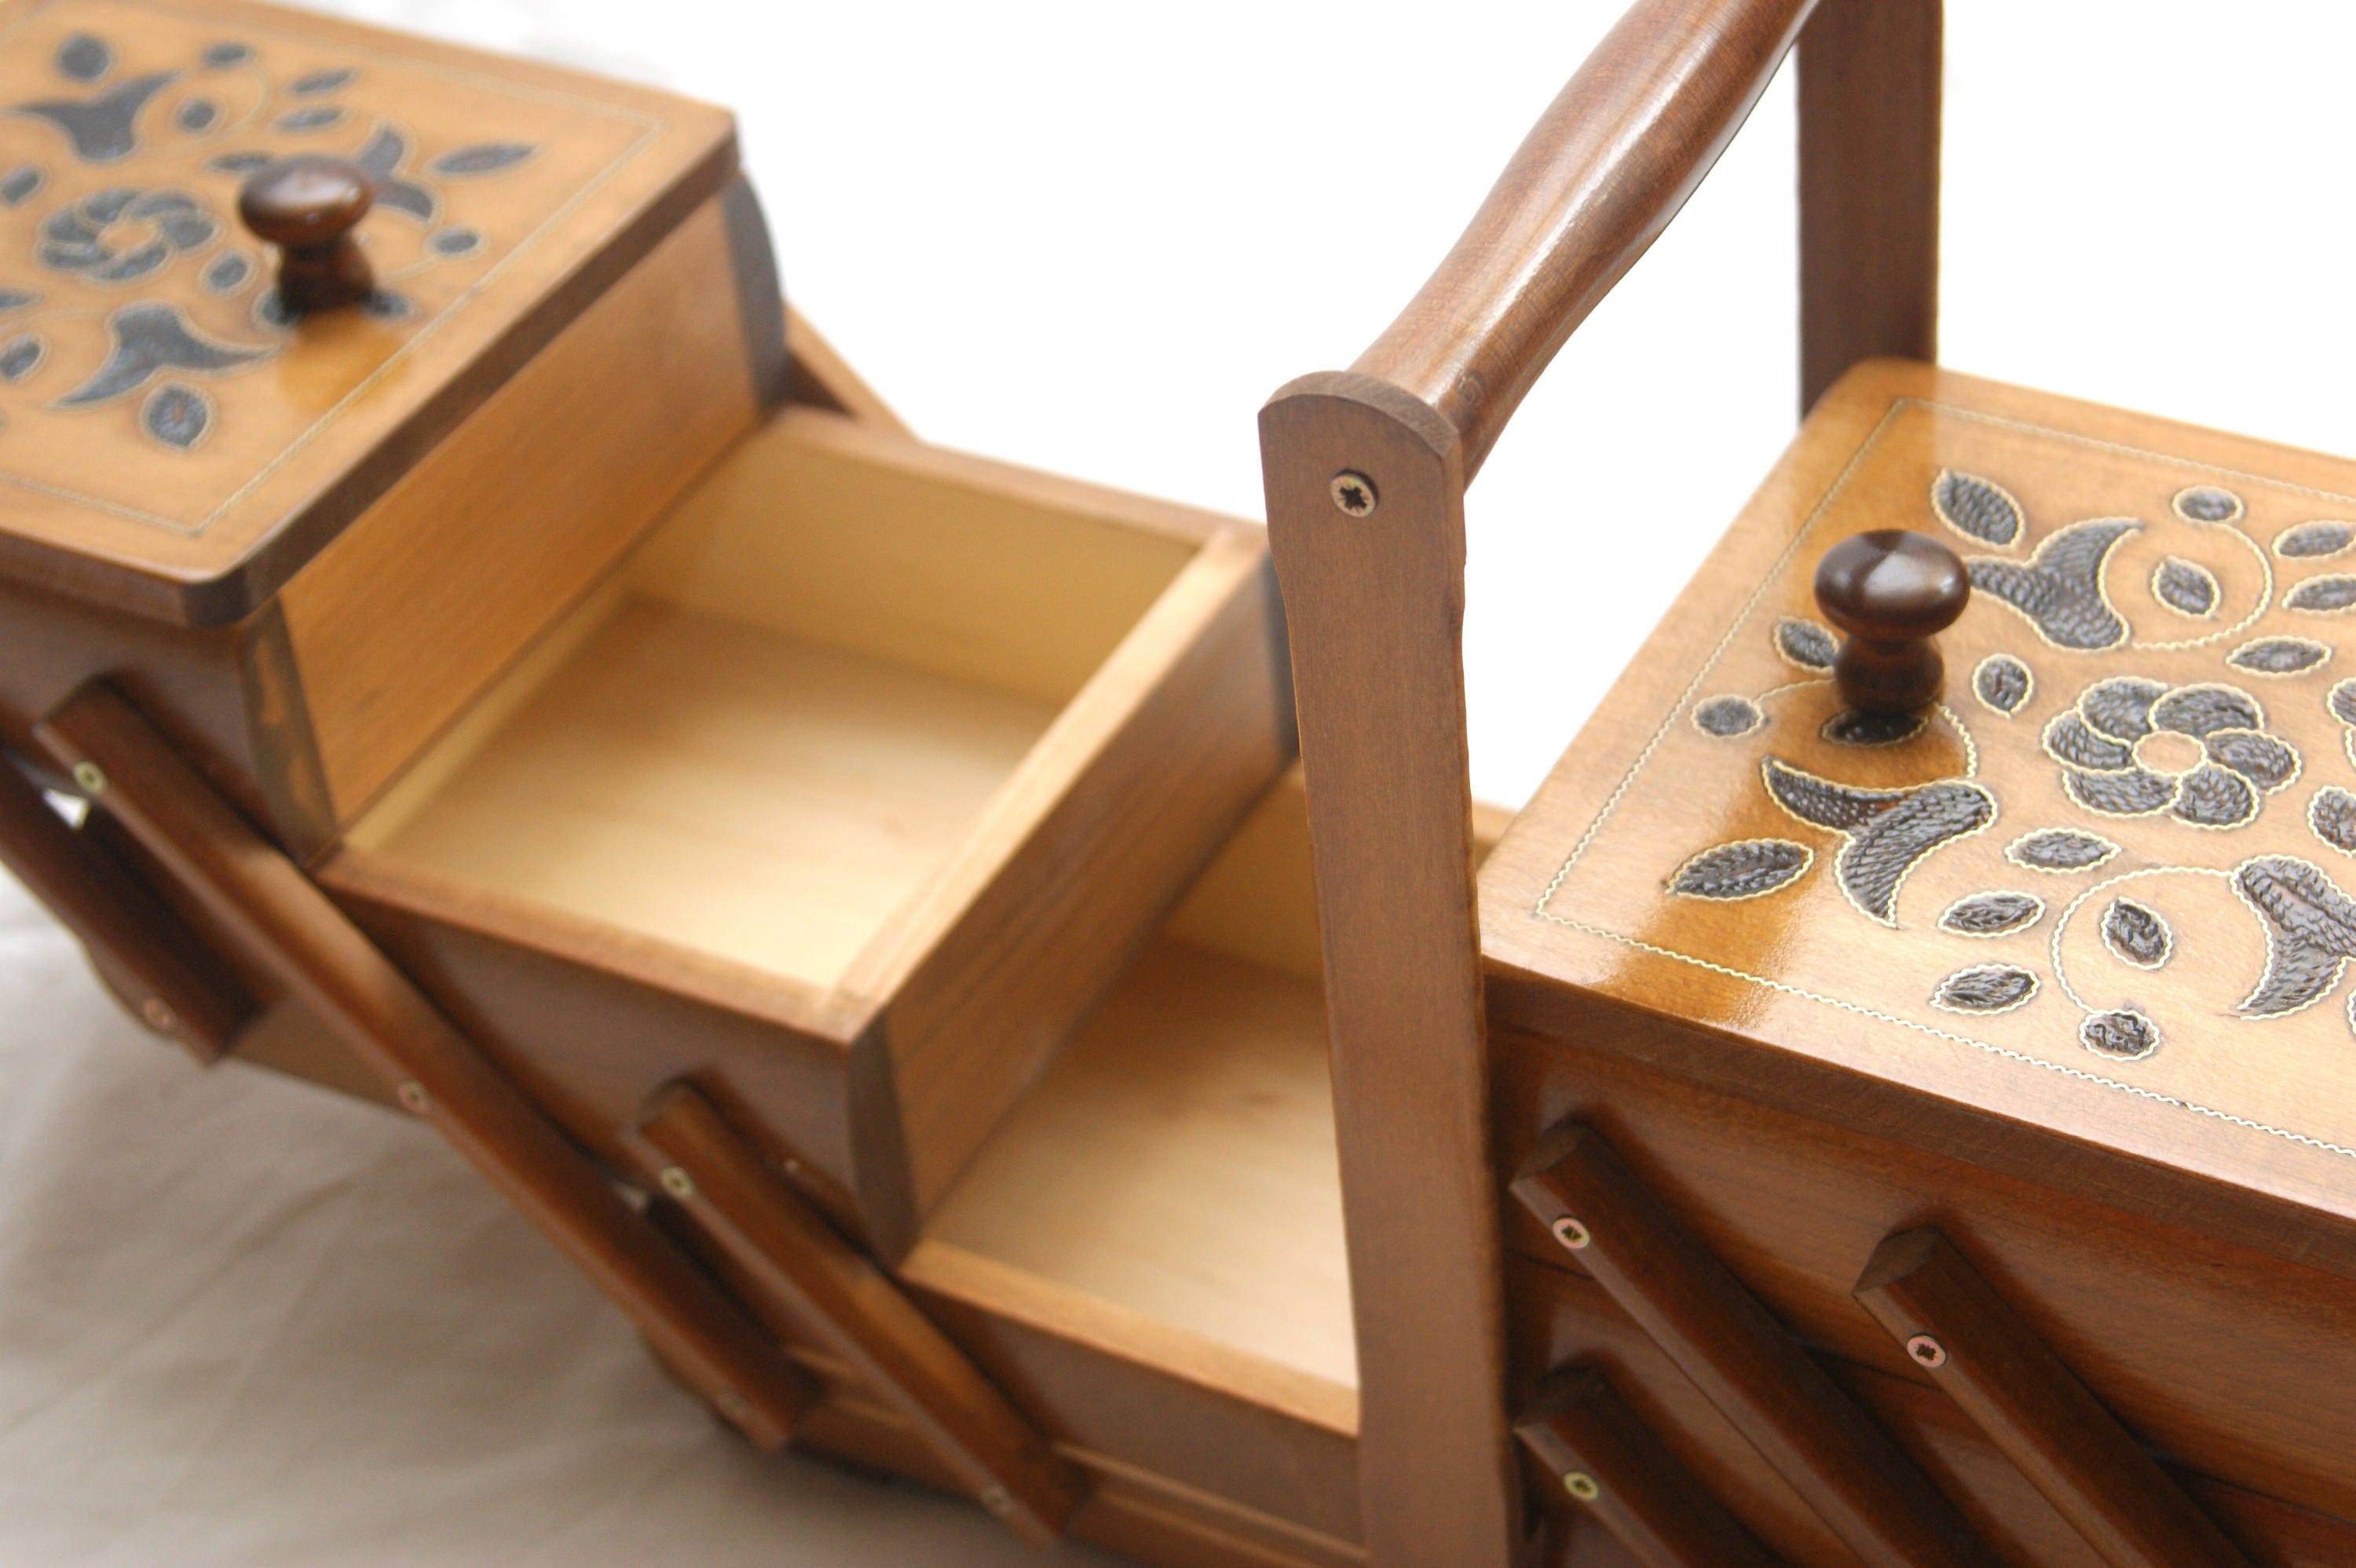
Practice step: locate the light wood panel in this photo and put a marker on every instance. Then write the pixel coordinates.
(1178, 1160)
(470, 555)
(725, 788)
(484, 542)
(845, 535)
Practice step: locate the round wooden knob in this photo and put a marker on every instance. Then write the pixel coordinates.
(1891, 590)
(308, 205)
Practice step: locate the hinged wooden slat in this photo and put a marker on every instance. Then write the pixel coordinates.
(1954, 1326)
(142, 949)
(269, 908)
(1604, 1455)
(787, 1248)
(1844, 1467)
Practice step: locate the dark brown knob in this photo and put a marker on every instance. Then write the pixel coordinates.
(307, 206)
(1891, 590)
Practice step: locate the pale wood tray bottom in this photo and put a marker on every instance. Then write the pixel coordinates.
(726, 787)
(1179, 1160)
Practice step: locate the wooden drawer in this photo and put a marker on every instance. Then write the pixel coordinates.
(1558, 1318)
(850, 789)
(2233, 1362)
(351, 522)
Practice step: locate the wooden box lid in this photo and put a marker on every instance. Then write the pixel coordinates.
(171, 444)
(2104, 893)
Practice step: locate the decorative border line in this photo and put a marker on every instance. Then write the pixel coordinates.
(1774, 573)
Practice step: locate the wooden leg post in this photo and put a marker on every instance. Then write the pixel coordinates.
(288, 925)
(144, 953)
(1953, 1324)
(1606, 1456)
(1847, 1468)
(789, 1249)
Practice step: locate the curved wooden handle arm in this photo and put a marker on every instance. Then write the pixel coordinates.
(1614, 157)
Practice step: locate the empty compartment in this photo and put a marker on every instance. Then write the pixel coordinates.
(897, 752)
(785, 712)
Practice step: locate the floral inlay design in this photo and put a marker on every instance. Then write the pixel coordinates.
(1978, 508)
(2124, 1035)
(2186, 587)
(1743, 870)
(2280, 655)
(119, 235)
(2060, 587)
(2314, 541)
(128, 235)
(1888, 832)
(2136, 933)
(2132, 747)
(2311, 931)
(2003, 684)
(1805, 643)
(149, 338)
(2061, 850)
(2208, 504)
(1992, 914)
(2325, 595)
(1985, 988)
(2331, 816)
(1727, 717)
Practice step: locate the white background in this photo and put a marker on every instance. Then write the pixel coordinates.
(240, 1321)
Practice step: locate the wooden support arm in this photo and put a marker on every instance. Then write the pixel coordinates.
(286, 925)
(787, 1248)
(1691, 1305)
(1597, 180)
(143, 951)
(1956, 1327)
(1606, 1456)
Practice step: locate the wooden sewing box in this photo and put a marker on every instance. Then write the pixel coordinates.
(860, 900)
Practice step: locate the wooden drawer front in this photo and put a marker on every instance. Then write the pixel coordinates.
(1557, 1319)
(2232, 1361)
(887, 750)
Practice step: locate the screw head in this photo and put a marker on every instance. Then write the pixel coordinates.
(1354, 494)
(997, 1500)
(1570, 1233)
(412, 1096)
(159, 1015)
(1582, 1485)
(1926, 1350)
(677, 1182)
(732, 1404)
(90, 777)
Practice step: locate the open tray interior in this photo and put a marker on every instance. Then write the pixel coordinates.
(1177, 1161)
(787, 709)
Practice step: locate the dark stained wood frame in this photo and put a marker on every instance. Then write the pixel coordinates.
(286, 926)
(1365, 473)
(1606, 1456)
(782, 1247)
(1956, 1327)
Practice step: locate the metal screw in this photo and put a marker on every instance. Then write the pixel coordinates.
(1927, 1350)
(1353, 493)
(995, 1499)
(412, 1096)
(677, 1182)
(732, 1405)
(1571, 1233)
(1582, 1485)
(92, 778)
(159, 1015)
(793, 1167)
